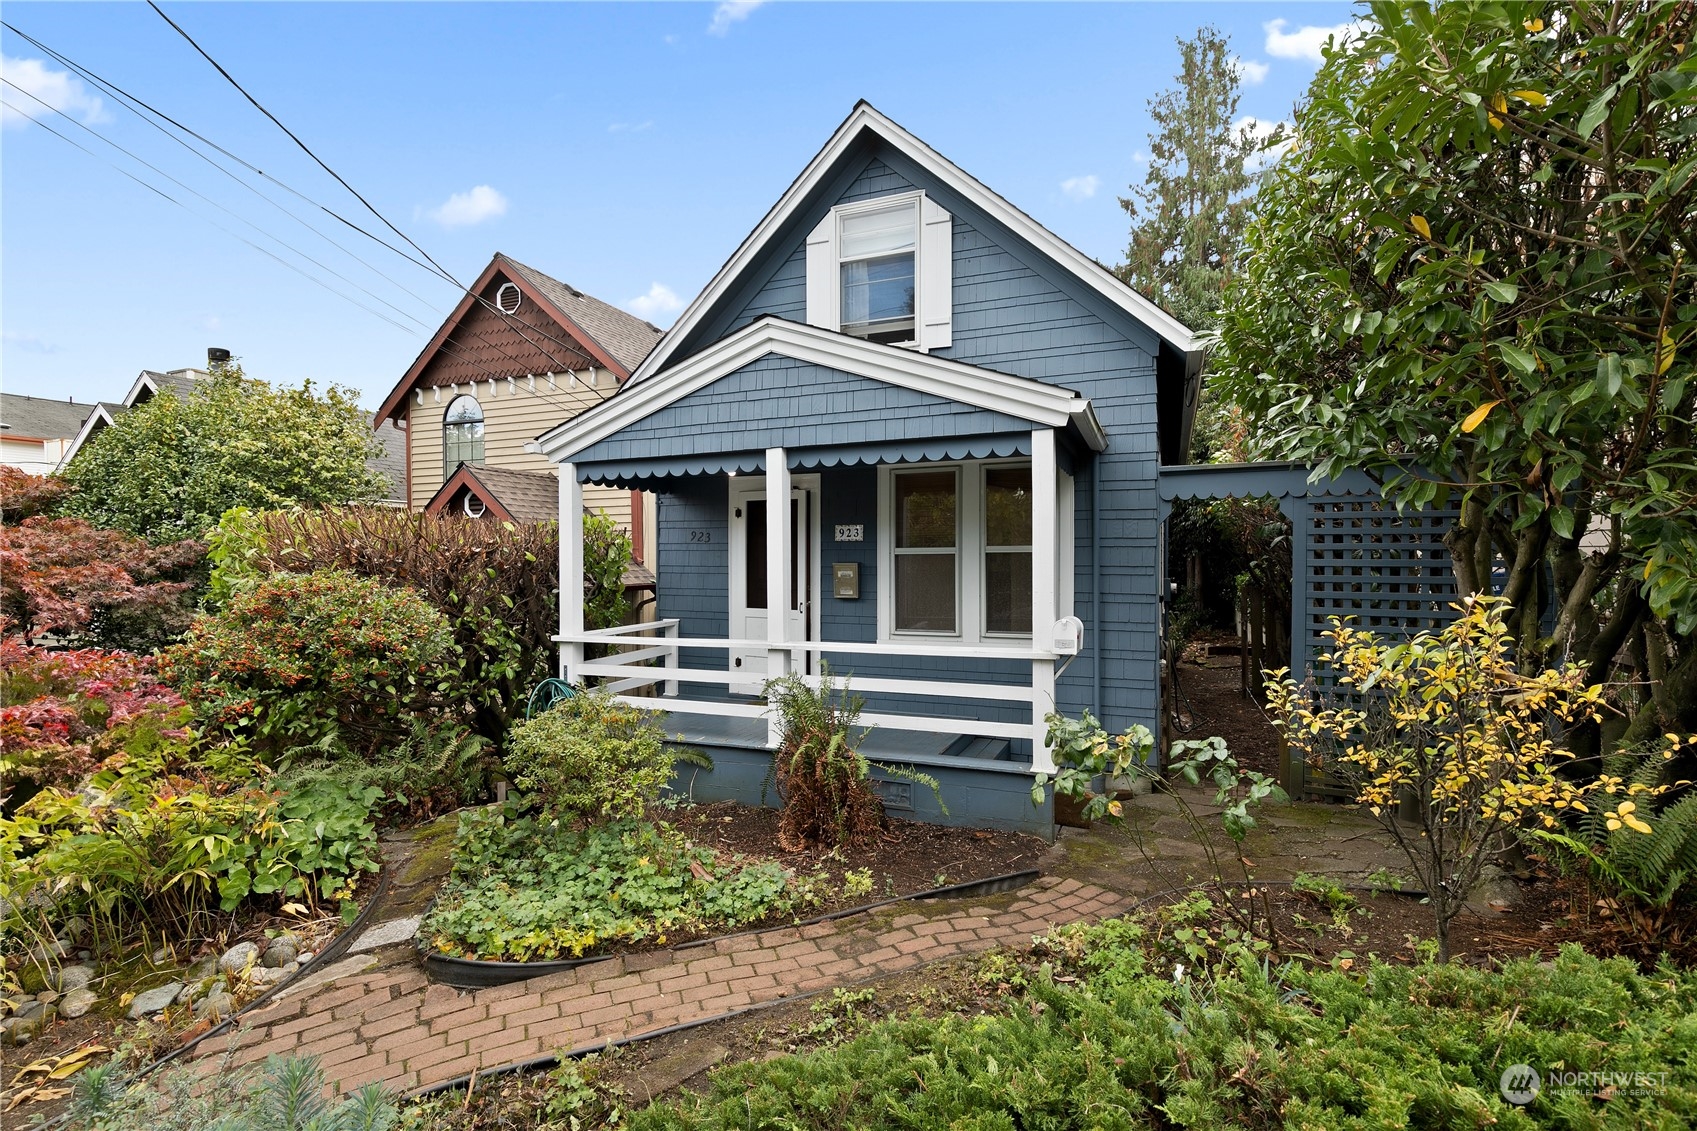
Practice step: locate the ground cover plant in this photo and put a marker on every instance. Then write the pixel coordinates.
(167, 835)
(1096, 1032)
(529, 888)
(280, 1095)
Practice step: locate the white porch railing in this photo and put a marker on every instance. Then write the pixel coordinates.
(654, 654)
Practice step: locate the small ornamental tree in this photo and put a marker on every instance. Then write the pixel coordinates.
(63, 577)
(1443, 725)
(54, 705)
(324, 660)
(23, 495)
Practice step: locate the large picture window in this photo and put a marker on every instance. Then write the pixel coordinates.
(958, 546)
(462, 434)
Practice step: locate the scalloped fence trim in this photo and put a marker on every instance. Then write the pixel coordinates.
(478, 973)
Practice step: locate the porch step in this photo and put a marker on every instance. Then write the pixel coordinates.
(990, 749)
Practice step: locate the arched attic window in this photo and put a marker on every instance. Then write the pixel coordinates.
(462, 434)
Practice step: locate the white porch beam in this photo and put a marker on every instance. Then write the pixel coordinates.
(1045, 538)
(571, 571)
(777, 577)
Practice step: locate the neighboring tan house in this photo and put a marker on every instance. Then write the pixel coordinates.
(36, 431)
(520, 354)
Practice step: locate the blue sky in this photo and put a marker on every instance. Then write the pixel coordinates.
(624, 148)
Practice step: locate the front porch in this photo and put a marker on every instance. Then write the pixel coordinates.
(969, 712)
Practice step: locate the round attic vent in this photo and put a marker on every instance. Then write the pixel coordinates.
(507, 299)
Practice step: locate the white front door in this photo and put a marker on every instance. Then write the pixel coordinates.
(748, 575)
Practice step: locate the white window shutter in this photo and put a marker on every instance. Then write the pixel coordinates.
(822, 297)
(936, 276)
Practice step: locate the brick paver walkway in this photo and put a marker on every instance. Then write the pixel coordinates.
(396, 1028)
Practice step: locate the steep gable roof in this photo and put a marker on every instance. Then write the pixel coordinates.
(865, 122)
(609, 337)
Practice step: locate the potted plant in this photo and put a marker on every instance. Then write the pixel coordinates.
(1090, 767)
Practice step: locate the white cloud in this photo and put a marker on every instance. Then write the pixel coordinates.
(731, 12)
(630, 127)
(669, 40)
(1262, 130)
(29, 343)
(464, 209)
(660, 301)
(1306, 41)
(59, 89)
(1250, 72)
(1081, 188)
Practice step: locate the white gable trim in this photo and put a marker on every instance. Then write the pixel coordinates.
(863, 119)
(93, 423)
(965, 384)
(144, 380)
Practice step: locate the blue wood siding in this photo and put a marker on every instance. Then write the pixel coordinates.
(693, 521)
(1015, 311)
(780, 402)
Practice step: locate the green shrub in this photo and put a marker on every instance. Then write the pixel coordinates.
(324, 661)
(591, 757)
(1118, 1046)
(167, 835)
(496, 582)
(527, 888)
(433, 770)
(284, 1095)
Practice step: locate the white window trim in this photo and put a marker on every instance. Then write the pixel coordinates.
(969, 548)
(933, 268)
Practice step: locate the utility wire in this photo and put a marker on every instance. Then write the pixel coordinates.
(195, 192)
(304, 147)
(445, 273)
(123, 96)
(235, 235)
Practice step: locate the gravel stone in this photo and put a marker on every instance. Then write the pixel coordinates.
(78, 1002)
(74, 978)
(238, 958)
(154, 1000)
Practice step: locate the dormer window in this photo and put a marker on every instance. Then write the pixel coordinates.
(875, 250)
(882, 269)
(462, 434)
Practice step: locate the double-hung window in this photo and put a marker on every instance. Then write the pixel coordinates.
(875, 257)
(959, 545)
(883, 269)
(462, 434)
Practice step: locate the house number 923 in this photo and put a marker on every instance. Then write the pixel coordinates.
(701, 536)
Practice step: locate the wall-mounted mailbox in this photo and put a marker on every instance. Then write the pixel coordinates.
(845, 580)
(1068, 636)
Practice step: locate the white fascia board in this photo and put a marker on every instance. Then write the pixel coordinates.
(99, 418)
(952, 380)
(143, 380)
(865, 117)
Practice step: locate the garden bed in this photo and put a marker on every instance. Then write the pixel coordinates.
(906, 859)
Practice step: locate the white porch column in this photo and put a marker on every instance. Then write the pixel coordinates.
(1045, 536)
(777, 577)
(571, 571)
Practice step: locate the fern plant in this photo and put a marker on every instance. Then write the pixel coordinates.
(824, 782)
(1646, 868)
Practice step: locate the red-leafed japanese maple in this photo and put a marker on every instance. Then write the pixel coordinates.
(23, 495)
(54, 704)
(81, 585)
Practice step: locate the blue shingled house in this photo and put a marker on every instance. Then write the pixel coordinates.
(962, 419)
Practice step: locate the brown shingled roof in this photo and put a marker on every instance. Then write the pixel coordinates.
(625, 336)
